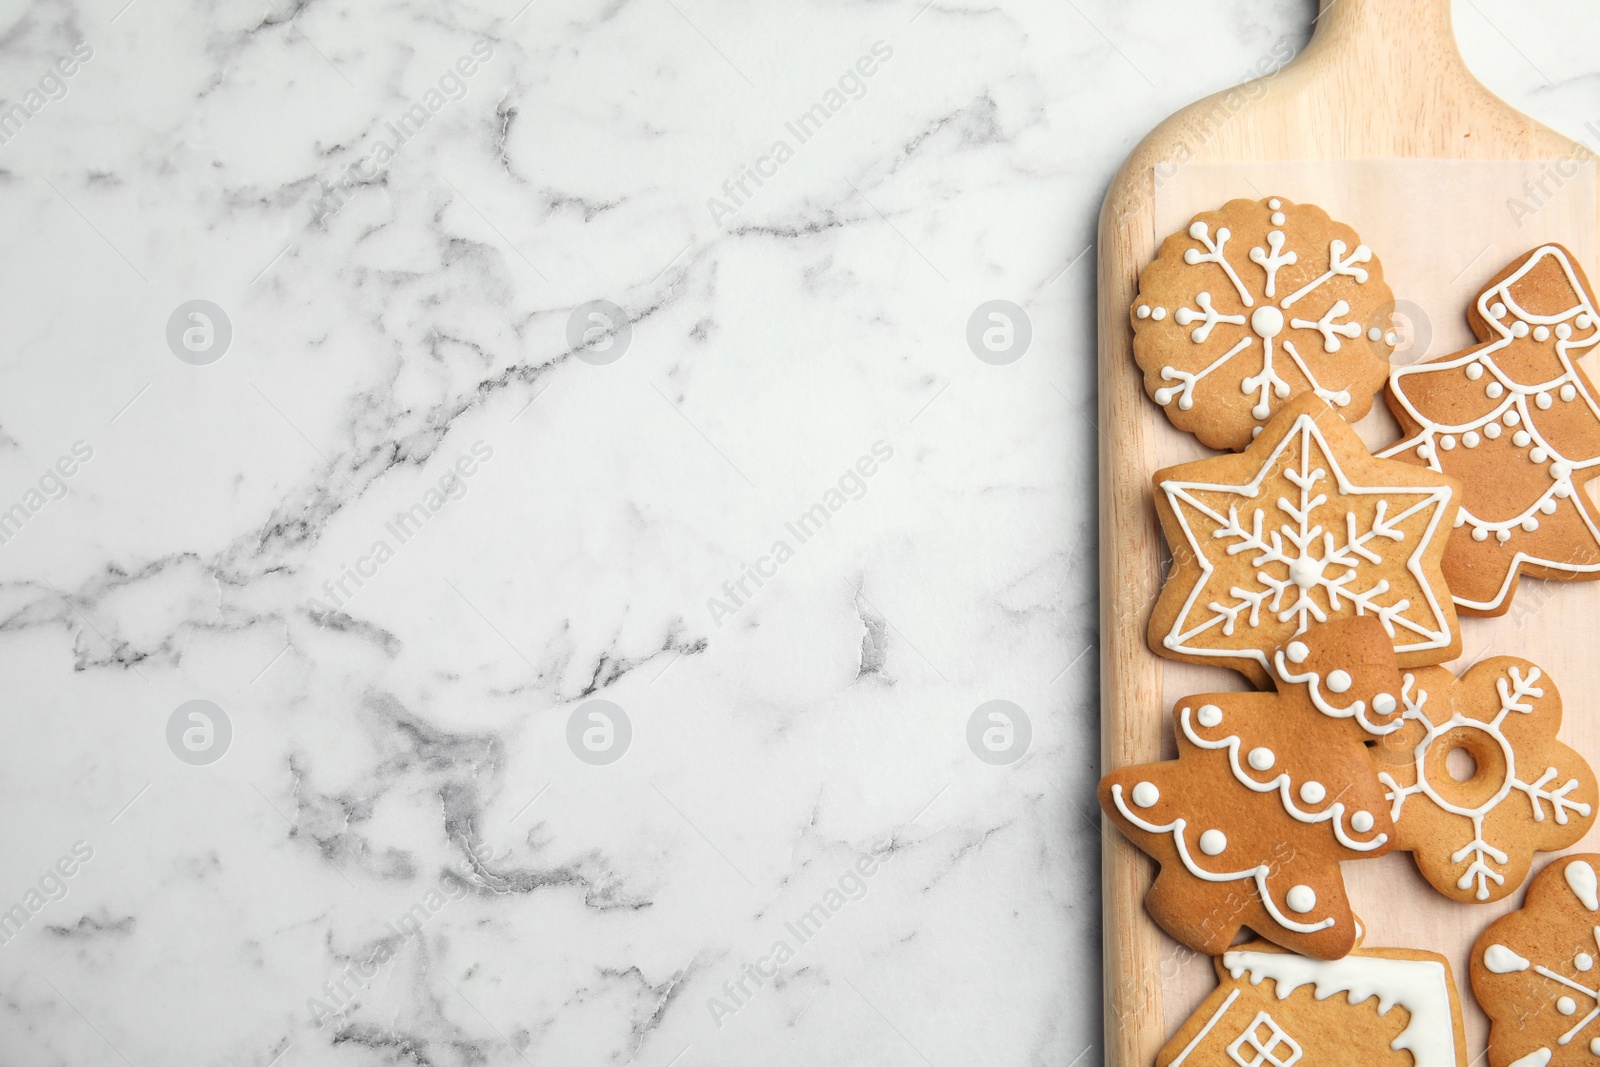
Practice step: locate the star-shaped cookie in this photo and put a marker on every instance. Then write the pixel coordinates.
(1302, 527)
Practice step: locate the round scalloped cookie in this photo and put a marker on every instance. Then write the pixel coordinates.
(1253, 305)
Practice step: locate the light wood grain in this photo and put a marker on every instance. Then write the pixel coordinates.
(1380, 79)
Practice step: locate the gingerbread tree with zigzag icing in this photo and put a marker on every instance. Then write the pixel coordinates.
(1268, 793)
(1516, 419)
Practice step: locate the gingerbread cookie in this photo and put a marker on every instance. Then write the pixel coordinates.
(1273, 1007)
(1515, 419)
(1301, 527)
(1268, 793)
(1255, 304)
(1474, 838)
(1533, 971)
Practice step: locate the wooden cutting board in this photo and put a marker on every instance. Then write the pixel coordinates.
(1381, 79)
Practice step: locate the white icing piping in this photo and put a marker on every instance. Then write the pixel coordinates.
(1304, 430)
(1284, 787)
(1356, 710)
(1176, 827)
(1563, 487)
(1422, 987)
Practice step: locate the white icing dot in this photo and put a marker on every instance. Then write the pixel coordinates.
(1255, 431)
(1158, 314)
(1562, 489)
(1530, 524)
(1519, 329)
(1538, 455)
(1361, 821)
(1297, 652)
(1375, 334)
(1497, 310)
(1143, 311)
(1521, 438)
(1391, 339)
(1559, 469)
(1502, 536)
(1569, 392)
(1480, 534)
(1213, 842)
(1262, 759)
(1301, 899)
(1563, 331)
(1541, 333)
(1384, 703)
(1544, 400)
(1471, 439)
(1492, 430)
(1425, 451)
(1461, 518)
(1198, 229)
(1566, 1006)
(1512, 416)
(1594, 1046)
(1583, 961)
(1548, 507)
(1313, 792)
(1495, 390)
(1584, 321)
(1338, 681)
(1145, 794)
(1447, 442)
(1278, 218)
(1474, 370)
(1209, 715)
(1274, 203)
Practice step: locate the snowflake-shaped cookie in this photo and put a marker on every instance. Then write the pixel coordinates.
(1474, 837)
(1253, 305)
(1534, 971)
(1303, 526)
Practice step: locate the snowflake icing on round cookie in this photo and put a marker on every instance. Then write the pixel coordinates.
(1253, 305)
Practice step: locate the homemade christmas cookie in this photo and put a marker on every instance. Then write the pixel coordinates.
(1268, 793)
(1251, 305)
(1533, 971)
(1302, 527)
(1379, 1007)
(1474, 837)
(1517, 421)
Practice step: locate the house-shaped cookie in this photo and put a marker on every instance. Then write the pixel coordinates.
(1375, 1007)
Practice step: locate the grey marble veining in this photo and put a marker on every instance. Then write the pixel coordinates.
(398, 531)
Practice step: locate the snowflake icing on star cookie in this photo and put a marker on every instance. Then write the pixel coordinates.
(1474, 837)
(1253, 305)
(1302, 527)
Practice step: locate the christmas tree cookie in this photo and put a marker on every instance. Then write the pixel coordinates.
(1515, 419)
(1268, 793)
(1253, 305)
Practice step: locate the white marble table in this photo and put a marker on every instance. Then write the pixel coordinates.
(790, 525)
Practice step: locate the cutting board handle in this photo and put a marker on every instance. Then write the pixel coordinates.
(1400, 44)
